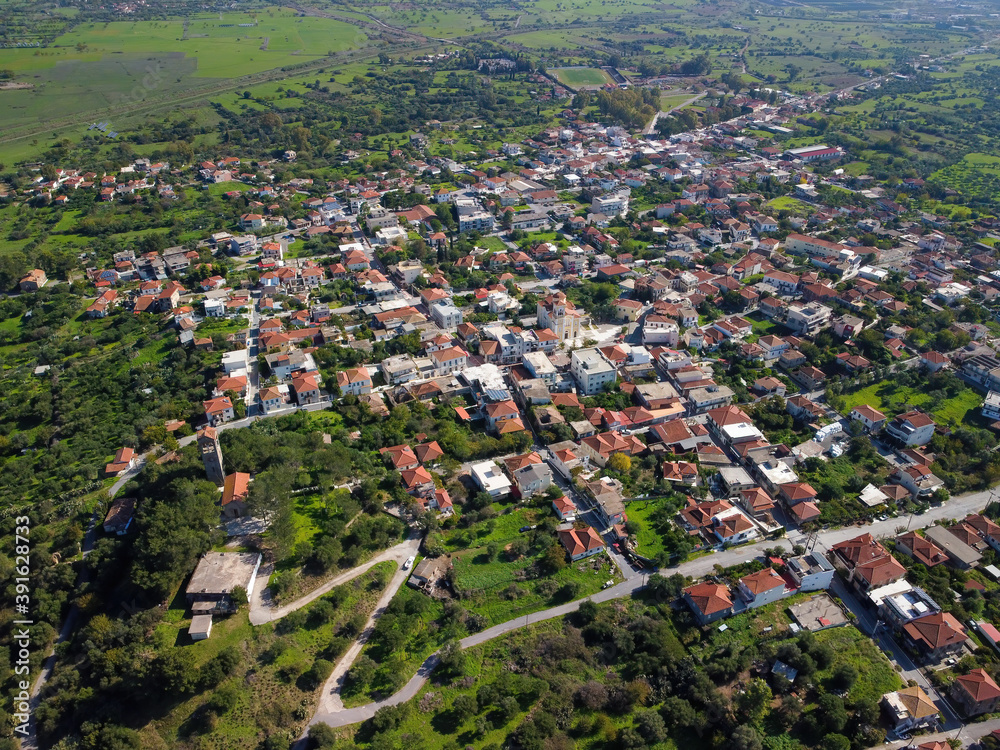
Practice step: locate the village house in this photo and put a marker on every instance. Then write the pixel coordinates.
(581, 543)
(976, 693)
(709, 601)
(356, 381)
(235, 492)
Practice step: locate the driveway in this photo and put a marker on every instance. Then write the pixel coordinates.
(262, 610)
(330, 701)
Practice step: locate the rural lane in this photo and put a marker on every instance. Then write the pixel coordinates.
(263, 611)
(330, 701)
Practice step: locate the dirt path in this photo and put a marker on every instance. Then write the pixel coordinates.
(262, 609)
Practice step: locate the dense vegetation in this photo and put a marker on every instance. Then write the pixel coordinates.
(639, 674)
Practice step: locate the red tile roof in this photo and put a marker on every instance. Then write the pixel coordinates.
(709, 598)
(979, 685)
(236, 488)
(578, 541)
(936, 631)
(762, 580)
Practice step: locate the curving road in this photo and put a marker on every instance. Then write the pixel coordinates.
(332, 712)
(330, 701)
(262, 610)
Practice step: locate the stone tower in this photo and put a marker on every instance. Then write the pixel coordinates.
(211, 455)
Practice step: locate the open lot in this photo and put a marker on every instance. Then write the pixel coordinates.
(581, 76)
(892, 400)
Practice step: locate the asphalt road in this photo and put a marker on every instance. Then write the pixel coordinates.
(957, 507)
(870, 625)
(262, 610)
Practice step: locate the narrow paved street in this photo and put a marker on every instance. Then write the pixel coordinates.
(262, 610)
(967, 735)
(870, 625)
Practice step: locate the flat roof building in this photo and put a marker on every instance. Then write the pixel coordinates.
(217, 575)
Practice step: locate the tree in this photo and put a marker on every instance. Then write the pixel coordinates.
(665, 589)
(745, 738)
(362, 671)
(790, 710)
(620, 462)
(175, 671)
(754, 701)
(592, 695)
(652, 727)
(452, 659)
(464, 708)
(238, 596)
(844, 676)
(110, 737)
(832, 711)
(318, 673)
(678, 713)
(835, 741)
(322, 736)
(554, 558)
(508, 708)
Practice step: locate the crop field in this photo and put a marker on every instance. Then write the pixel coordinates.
(547, 40)
(581, 76)
(74, 87)
(222, 46)
(976, 175)
(432, 19)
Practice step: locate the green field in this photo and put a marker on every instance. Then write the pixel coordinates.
(876, 675)
(497, 589)
(672, 99)
(787, 203)
(890, 400)
(976, 175)
(105, 65)
(763, 326)
(501, 588)
(581, 76)
(649, 543)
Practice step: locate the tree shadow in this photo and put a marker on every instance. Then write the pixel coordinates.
(445, 722)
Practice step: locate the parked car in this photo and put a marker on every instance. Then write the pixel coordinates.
(409, 562)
